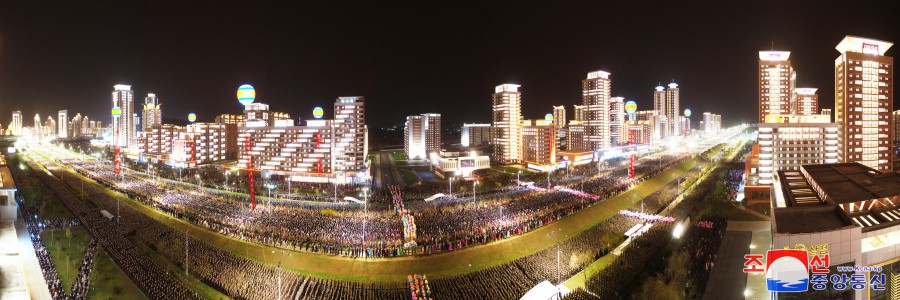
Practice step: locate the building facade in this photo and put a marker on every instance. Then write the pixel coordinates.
(231, 122)
(595, 91)
(775, 83)
(476, 135)
(539, 144)
(617, 129)
(806, 102)
(579, 112)
(16, 125)
(152, 113)
(864, 101)
(123, 126)
(788, 141)
(62, 118)
(320, 151)
(422, 136)
(507, 119)
(575, 139)
(673, 113)
(351, 138)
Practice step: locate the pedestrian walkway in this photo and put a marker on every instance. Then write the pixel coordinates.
(34, 278)
(728, 280)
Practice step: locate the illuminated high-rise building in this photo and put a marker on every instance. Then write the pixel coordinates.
(351, 139)
(539, 144)
(507, 119)
(618, 133)
(673, 114)
(659, 121)
(38, 131)
(231, 122)
(474, 135)
(559, 121)
(152, 113)
(579, 113)
(422, 136)
(864, 101)
(123, 126)
(63, 123)
(595, 91)
(49, 128)
(806, 102)
(787, 142)
(16, 125)
(559, 116)
(776, 77)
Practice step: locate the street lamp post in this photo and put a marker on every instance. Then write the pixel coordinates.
(451, 186)
(474, 193)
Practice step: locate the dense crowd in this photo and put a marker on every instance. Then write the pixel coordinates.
(457, 222)
(82, 284)
(147, 275)
(414, 227)
(702, 243)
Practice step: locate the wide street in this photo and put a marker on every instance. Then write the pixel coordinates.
(437, 265)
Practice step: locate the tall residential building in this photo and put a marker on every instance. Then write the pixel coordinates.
(539, 144)
(74, 126)
(617, 130)
(673, 113)
(579, 112)
(864, 101)
(595, 91)
(123, 126)
(775, 83)
(152, 113)
(422, 136)
(827, 112)
(16, 125)
(788, 141)
(559, 116)
(37, 125)
(712, 123)
(897, 126)
(659, 122)
(575, 136)
(351, 138)
(559, 121)
(231, 122)
(474, 135)
(507, 118)
(806, 101)
(63, 123)
(49, 128)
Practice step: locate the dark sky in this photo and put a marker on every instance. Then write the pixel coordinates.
(416, 57)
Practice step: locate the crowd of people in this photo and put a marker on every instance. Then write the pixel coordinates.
(344, 229)
(441, 225)
(419, 287)
(702, 243)
(82, 284)
(148, 276)
(48, 269)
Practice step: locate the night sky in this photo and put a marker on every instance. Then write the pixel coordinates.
(411, 58)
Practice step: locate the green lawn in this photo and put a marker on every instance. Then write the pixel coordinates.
(398, 155)
(66, 252)
(409, 177)
(110, 282)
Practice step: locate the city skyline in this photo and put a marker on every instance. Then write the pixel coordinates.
(313, 61)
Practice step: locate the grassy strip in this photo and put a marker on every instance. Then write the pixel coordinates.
(66, 252)
(110, 282)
